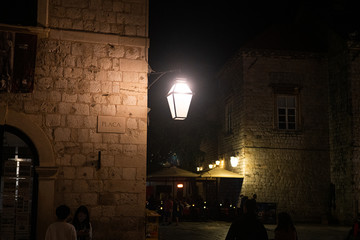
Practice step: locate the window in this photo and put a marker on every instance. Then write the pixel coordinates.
(18, 188)
(17, 62)
(229, 118)
(286, 112)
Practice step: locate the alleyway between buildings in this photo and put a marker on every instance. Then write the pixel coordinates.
(217, 230)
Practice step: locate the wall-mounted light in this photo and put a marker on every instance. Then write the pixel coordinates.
(179, 99)
(217, 162)
(211, 166)
(222, 164)
(180, 185)
(234, 161)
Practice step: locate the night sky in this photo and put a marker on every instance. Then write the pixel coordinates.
(197, 37)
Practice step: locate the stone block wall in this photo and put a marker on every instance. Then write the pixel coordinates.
(290, 168)
(340, 138)
(85, 81)
(354, 75)
(121, 17)
(231, 86)
(92, 62)
(75, 83)
(344, 126)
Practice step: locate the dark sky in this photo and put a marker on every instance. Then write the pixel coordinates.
(195, 37)
(199, 36)
(201, 33)
(192, 34)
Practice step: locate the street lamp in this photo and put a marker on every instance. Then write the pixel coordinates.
(234, 161)
(179, 99)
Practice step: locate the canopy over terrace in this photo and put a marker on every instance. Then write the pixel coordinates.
(220, 185)
(172, 172)
(173, 176)
(220, 173)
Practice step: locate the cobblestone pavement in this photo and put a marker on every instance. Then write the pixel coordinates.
(217, 231)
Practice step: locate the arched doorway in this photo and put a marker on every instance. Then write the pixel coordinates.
(19, 185)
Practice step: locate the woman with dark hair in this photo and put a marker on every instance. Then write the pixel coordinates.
(285, 229)
(82, 224)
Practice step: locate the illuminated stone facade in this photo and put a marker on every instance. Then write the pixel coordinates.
(91, 64)
(278, 165)
(302, 157)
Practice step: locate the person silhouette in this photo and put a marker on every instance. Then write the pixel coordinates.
(247, 226)
(82, 224)
(61, 230)
(285, 229)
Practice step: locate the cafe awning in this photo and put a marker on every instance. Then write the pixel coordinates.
(172, 172)
(220, 173)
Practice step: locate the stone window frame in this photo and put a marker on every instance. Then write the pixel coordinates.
(46, 169)
(285, 90)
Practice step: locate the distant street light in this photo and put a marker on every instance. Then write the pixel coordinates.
(179, 99)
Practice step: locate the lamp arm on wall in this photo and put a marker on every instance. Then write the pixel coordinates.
(160, 75)
(179, 97)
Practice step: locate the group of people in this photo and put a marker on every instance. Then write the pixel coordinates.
(247, 226)
(172, 210)
(79, 229)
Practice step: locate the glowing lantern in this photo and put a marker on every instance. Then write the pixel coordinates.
(179, 99)
(234, 161)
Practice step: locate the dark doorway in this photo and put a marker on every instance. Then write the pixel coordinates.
(18, 191)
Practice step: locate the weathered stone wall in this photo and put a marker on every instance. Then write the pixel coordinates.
(340, 124)
(121, 17)
(76, 82)
(354, 75)
(92, 62)
(344, 127)
(290, 168)
(231, 92)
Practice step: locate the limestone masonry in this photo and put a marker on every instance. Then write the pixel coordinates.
(91, 66)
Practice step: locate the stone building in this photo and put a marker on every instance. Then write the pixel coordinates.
(344, 123)
(288, 113)
(73, 116)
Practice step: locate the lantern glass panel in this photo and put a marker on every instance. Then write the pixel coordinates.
(179, 99)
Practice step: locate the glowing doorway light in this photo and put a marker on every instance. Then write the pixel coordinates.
(179, 99)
